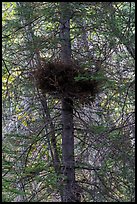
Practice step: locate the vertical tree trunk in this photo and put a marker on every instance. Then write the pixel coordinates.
(67, 112)
(68, 150)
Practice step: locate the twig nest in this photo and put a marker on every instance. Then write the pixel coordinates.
(65, 80)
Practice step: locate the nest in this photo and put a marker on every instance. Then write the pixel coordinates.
(65, 80)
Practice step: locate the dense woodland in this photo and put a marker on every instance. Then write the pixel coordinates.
(68, 96)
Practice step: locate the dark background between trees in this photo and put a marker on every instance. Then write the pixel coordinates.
(64, 149)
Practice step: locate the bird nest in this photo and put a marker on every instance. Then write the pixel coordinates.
(65, 80)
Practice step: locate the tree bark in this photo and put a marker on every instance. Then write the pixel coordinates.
(68, 170)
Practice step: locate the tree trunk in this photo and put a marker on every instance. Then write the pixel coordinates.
(68, 170)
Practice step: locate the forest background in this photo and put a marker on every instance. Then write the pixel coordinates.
(42, 131)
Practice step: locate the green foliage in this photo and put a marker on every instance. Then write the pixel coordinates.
(104, 130)
(85, 77)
